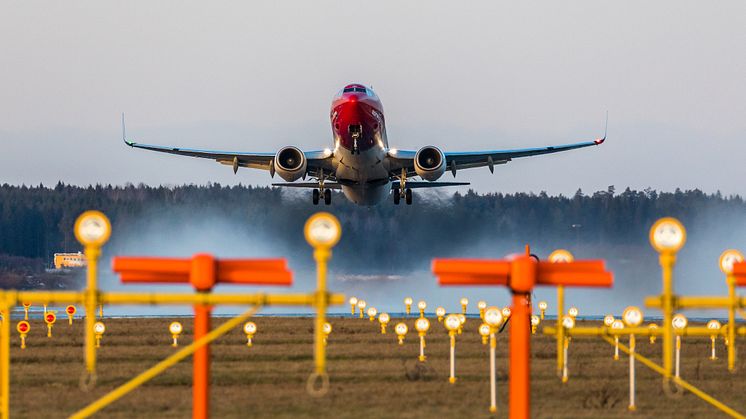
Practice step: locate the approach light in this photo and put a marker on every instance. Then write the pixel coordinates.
(372, 313)
(384, 320)
(326, 329)
(679, 322)
(422, 305)
(249, 329)
(568, 322)
(728, 258)
(573, 311)
(714, 326)
(632, 316)
(481, 305)
(506, 312)
(175, 329)
(616, 325)
(452, 323)
(652, 327)
(440, 312)
(464, 302)
(484, 332)
(401, 331)
(353, 304)
(535, 320)
(561, 256)
(608, 320)
(462, 319)
(667, 235)
(98, 329)
(493, 317)
(422, 325)
(92, 228)
(408, 305)
(49, 319)
(361, 304)
(322, 230)
(542, 308)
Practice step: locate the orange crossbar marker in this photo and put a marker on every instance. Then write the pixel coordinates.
(739, 273)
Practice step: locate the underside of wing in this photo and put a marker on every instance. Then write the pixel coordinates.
(420, 185)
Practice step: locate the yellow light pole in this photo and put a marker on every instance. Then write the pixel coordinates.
(353, 304)
(23, 327)
(727, 259)
(92, 230)
(70, 310)
(481, 305)
(484, 332)
(535, 320)
(652, 329)
(542, 308)
(361, 304)
(715, 326)
(249, 329)
(493, 317)
(422, 325)
(401, 330)
(408, 305)
(667, 236)
(440, 312)
(175, 328)
(679, 323)
(464, 303)
(372, 312)
(568, 322)
(384, 320)
(98, 329)
(49, 319)
(452, 324)
(462, 320)
(560, 256)
(632, 317)
(322, 232)
(617, 325)
(25, 310)
(422, 305)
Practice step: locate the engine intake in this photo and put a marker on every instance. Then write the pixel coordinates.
(430, 163)
(290, 163)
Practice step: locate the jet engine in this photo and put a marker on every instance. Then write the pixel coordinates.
(290, 163)
(430, 163)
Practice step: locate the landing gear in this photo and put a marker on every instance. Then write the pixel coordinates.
(408, 196)
(316, 197)
(327, 196)
(397, 197)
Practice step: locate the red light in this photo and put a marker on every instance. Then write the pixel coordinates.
(71, 310)
(50, 318)
(23, 327)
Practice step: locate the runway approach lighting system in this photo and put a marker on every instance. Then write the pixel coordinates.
(98, 329)
(408, 305)
(520, 274)
(679, 323)
(715, 326)
(481, 305)
(573, 312)
(542, 308)
(493, 317)
(560, 256)
(25, 310)
(70, 310)
(568, 322)
(401, 330)
(23, 328)
(652, 330)
(535, 320)
(422, 305)
(383, 319)
(608, 320)
(464, 303)
(175, 328)
(462, 320)
(632, 317)
(353, 304)
(422, 325)
(440, 312)
(452, 324)
(484, 332)
(249, 329)
(49, 319)
(361, 304)
(372, 313)
(327, 330)
(727, 263)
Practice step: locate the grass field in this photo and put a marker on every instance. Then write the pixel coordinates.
(371, 375)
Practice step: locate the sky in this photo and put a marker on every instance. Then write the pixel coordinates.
(256, 76)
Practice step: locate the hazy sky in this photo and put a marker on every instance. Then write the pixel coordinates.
(254, 76)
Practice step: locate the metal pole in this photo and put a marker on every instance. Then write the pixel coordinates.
(560, 328)
(667, 261)
(92, 254)
(201, 364)
(564, 367)
(493, 384)
(732, 323)
(616, 347)
(321, 255)
(632, 373)
(678, 351)
(422, 348)
(452, 378)
(520, 350)
(5, 361)
(712, 340)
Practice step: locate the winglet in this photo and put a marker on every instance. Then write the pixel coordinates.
(606, 126)
(124, 134)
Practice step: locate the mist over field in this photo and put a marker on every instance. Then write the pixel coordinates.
(386, 251)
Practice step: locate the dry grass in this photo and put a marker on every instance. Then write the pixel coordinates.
(371, 376)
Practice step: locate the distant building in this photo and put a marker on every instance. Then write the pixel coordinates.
(69, 260)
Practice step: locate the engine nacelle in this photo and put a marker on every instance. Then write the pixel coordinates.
(290, 163)
(430, 163)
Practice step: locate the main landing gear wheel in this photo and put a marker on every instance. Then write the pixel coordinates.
(397, 197)
(316, 197)
(408, 196)
(327, 196)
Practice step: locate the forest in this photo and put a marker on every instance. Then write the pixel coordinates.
(36, 221)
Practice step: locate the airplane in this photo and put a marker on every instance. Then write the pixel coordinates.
(362, 164)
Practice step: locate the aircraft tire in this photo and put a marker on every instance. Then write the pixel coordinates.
(397, 197)
(328, 196)
(408, 196)
(316, 197)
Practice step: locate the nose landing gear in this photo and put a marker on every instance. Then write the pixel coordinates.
(322, 192)
(403, 191)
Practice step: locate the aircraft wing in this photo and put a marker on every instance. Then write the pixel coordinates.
(468, 159)
(316, 159)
